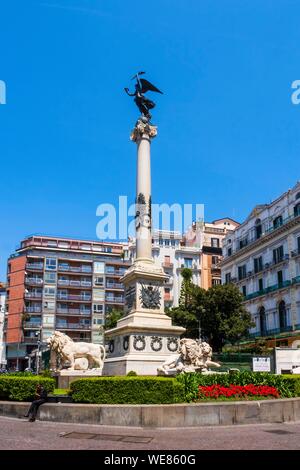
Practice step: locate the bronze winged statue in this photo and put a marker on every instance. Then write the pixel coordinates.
(141, 87)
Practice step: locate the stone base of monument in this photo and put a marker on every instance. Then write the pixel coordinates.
(141, 342)
(65, 376)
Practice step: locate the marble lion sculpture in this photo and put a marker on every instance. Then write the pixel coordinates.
(80, 355)
(193, 356)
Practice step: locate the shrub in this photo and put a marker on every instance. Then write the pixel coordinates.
(20, 388)
(132, 390)
(287, 386)
(131, 373)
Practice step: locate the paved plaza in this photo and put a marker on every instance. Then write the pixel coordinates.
(19, 434)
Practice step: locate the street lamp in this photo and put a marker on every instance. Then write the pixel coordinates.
(37, 366)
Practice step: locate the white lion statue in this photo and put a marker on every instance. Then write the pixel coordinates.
(80, 355)
(193, 356)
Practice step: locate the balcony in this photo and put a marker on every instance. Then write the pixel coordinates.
(296, 280)
(295, 253)
(74, 283)
(168, 265)
(272, 332)
(33, 295)
(34, 280)
(72, 311)
(74, 297)
(32, 325)
(30, 340)
(33, 309)
(35, 266)
(114, 300)
(114, 285)
(75, 269)
(72, 326)
(115, 272)
(268, 290)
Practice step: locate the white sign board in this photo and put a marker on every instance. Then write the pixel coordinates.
(261, 364)
(286, 359)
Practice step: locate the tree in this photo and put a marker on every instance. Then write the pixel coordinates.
(220, 311)
(224, 317)
(112, 317)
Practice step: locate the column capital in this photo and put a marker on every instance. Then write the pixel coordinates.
(143, 128)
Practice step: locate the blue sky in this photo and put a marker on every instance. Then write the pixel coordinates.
(228, 131)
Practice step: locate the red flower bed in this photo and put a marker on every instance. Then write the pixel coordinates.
(237, 391)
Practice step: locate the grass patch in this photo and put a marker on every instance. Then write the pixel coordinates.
(61, 391)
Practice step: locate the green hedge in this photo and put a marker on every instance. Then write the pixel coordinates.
(287, 385)
(20, 388)
(131, 390)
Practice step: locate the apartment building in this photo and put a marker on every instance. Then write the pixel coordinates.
(262, 257)
(208, 237)
(169, 251)
(61, 284)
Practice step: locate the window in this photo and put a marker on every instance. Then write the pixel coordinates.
(243, 243)
(260, 284)
(99, 281)
(214, 259)
(50, 278)
(258, 229)
(216, 282)
(51, 264)
(98, 308)
(229, 251)
(258, 264)
(244, 290)
(167, 242)
(161, 242)
(188, 262)
(297, 210)
(262, 321)
(242, 272)
(227, 278)
(277, 222)
(99, 267)
(49, 291)
(215, 242)
(298, 244)
(173, 243)
(282, 315)
(98, 321)
(278, 254)
(48, 320)
(297, 196)
(280, 277)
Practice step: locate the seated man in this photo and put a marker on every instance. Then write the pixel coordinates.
(40, 398)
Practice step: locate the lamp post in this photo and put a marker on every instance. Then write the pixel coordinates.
(37, 365)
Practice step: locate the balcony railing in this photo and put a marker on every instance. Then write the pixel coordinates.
(73, 283)
(72, 326)
(75, 297)
(168, 265)
(35, 266)
(33, 325)
(274, 331)
(75, 269)
(32, 309)
(114, 285)
(115, 272)
(30, 339)
(34, 280)
(72, 311)
(115, 300)
(33, 295)
(296, 280)
(267, 290)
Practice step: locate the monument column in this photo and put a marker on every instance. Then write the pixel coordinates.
(144, 337)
